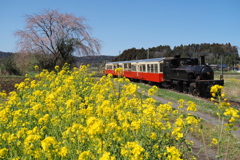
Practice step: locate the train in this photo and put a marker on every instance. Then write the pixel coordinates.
(188, 75)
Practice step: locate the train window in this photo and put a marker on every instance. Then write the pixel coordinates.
(109, 67)
(155, 66)
(125, 66)
(144, 68)
(148, 68)
(129, 67)
(133, 67)
(152, 69)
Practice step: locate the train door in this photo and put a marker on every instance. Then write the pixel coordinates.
(109, 68)
(127, 70)
(141, 70)
(134, 70)
(160, 72)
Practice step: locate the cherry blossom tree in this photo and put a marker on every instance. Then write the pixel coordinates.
(55, 36)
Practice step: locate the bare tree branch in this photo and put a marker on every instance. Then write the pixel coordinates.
(51, 32)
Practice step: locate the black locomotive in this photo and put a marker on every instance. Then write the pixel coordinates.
(187, 75)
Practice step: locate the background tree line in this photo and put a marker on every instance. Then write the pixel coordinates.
(213, 52)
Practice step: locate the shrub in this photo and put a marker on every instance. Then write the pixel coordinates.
(9, 66)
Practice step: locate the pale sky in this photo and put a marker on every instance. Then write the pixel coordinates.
(124, 24)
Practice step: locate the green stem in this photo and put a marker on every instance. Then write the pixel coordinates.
(205, 148)
(227, 148)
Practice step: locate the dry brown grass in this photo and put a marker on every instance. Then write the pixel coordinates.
(232, 88)
(231, 85)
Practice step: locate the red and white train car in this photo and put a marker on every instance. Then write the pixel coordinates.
(145, 70)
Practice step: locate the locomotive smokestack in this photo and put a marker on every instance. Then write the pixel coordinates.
(202, 60)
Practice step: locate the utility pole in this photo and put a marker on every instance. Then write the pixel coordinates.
(119, 56)
(221, 76)
(148, 53)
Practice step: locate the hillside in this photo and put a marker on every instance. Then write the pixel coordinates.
(5, 54)
(215, 53)
(85, 59)
(94, 59)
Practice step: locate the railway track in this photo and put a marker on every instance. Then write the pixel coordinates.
(235, 104)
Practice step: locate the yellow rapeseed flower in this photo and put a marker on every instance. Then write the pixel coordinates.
(48, 143)
(63, 151)
(106, 156)
(191, 106)
(214, 141)
(153, 90)
(173, 153)
(118, 71)
(36, 67)
(3, 152)
(84, 155)
(60, 114)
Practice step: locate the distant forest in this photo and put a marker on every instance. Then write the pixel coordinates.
(212, 52)
(92, 60)
(5, 54)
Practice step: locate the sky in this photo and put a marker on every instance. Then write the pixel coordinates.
(126, 24)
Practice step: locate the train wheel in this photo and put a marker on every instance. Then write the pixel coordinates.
(195, 92)
(178, 87)
(208, 93)
(166, 85)
(185, 89)
(191, 88)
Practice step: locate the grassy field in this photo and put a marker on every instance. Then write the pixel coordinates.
(231, 85)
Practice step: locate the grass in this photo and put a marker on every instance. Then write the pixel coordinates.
(174, 96)
(232, 88)
(232, 144)
(231, 85)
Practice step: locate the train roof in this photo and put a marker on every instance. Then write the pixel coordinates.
(141, 60)
(152, 59)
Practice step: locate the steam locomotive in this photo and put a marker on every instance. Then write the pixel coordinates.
(183, 74)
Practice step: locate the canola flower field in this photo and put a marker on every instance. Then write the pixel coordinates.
(66, 114)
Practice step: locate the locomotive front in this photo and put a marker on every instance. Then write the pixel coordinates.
(186, 74)
(205, 80)
(203, 72)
